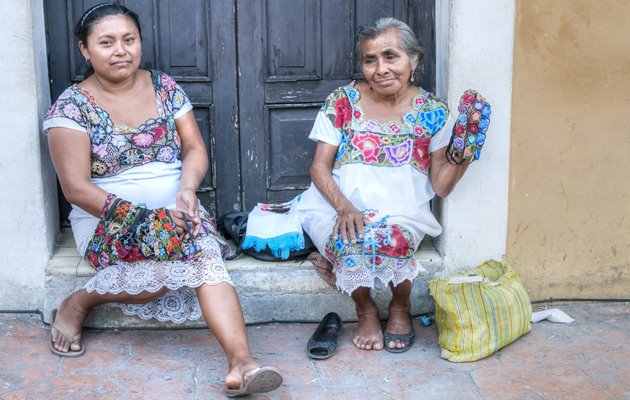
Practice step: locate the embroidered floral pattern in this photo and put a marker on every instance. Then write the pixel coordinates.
(118, 148)
(343, 112)
(400, 154)
(342, 146)
(369, 144)
(397, 143)
(131, 233)
(469, 134)
(421, 153)
(385, 246)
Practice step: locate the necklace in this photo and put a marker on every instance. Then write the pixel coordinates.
(124, 130)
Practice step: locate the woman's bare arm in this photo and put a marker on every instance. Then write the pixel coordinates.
(194, 168)
(70, 151)
(444, 176)
(350, 221)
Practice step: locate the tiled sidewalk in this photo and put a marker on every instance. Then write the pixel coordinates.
(588, 359)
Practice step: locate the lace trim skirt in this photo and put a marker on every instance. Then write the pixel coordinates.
(180, 303)
(385, 255)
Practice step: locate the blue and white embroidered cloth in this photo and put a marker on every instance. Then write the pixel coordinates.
(275, 226)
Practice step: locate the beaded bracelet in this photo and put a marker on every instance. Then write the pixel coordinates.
(108, 202)
(469, 132)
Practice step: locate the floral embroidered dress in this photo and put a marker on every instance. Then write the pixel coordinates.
(141, 165)
(383, 169)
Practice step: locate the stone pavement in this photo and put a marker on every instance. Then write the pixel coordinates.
(588, 359)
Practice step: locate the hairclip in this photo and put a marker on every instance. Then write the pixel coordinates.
(92, 10)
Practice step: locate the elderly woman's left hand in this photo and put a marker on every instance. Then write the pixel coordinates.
(187, 202)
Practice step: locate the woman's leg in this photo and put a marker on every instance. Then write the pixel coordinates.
(368, 335)
(223, 314)
(73, 310)
(399, 321)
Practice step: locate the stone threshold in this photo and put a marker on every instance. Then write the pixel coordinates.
(287, 291)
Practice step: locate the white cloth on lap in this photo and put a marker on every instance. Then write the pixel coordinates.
(276, 227)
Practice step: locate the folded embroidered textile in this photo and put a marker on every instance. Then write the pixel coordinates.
(469, 133)
(129, 232)
(275, 226)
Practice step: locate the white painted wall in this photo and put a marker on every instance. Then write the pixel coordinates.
(28, 205)
(475, 42)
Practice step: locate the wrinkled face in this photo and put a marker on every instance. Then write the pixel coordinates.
(386, 66)
(113, 47)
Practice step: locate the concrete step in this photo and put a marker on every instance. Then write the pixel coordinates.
(269, 291)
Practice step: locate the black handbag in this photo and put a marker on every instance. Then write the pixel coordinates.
(233, 225)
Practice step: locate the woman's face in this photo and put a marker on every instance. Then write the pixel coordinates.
(113, 47)
(386, 66)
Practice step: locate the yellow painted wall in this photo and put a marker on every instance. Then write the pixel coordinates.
(569, 202)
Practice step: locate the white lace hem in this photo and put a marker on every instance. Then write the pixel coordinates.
(377, 279)
(180, 303)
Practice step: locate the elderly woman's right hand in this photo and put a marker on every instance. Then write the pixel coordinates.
(350, 223)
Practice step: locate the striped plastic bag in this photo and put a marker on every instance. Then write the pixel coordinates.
(480, 311)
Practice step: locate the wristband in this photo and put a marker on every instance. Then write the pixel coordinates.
(108, 202)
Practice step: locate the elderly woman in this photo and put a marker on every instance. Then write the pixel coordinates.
(129, 156)
(380, 159)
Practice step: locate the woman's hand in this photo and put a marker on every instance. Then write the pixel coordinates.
(350, 223)
(187, 203)
(194, 168)
(444, 176)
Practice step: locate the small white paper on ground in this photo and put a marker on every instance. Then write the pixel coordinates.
(553, 315)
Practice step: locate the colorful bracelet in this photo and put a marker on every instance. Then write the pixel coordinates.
(469, 132)
(108, 202)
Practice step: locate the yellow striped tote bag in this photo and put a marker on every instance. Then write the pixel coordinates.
(480, 311)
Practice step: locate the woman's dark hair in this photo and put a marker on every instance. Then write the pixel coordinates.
(408, 40)
(83, 28)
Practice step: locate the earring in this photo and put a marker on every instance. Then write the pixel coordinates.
(88, 62)
(411, 78)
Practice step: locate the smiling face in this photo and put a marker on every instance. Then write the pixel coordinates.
(386, 66)
(113, 47)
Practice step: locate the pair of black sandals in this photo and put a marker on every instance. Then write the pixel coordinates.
(323, 343)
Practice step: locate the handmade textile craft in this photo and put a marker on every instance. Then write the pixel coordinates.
(130, 233)
(469, 132)
(385, 254)
(274, 226)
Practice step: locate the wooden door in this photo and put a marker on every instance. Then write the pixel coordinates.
(255, 105)
(292, 54)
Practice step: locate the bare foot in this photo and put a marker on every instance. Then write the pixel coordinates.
(399, 322)
(69, 318)
(368, 334)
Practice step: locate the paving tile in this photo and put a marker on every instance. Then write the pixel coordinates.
(535, 381)
(583, 360)
(157, 378)
(85, 387)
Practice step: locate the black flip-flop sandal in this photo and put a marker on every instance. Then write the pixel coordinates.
(323, 342)
(406, 338)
